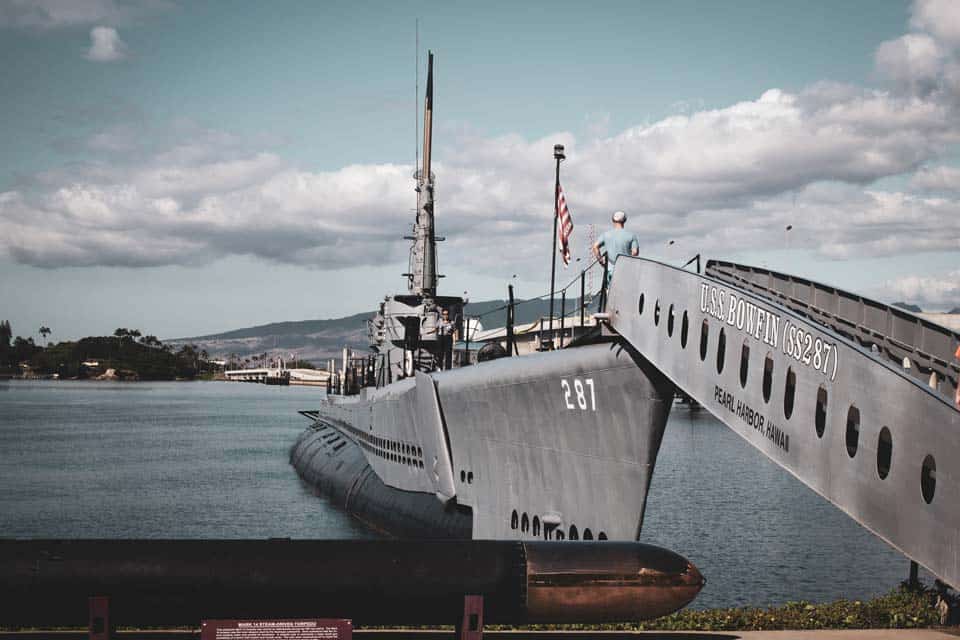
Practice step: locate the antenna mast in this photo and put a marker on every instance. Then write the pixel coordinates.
(423, 280)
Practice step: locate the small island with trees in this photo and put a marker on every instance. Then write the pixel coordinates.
(126, 355)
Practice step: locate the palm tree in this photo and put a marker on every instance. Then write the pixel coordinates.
(45, 331)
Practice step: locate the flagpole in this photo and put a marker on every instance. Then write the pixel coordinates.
(558, 155)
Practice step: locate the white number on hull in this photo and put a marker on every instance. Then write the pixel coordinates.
(583, 403)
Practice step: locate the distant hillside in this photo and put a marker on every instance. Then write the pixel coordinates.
(319, 340)
(295, 327)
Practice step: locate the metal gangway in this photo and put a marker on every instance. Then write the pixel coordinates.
(851, 396)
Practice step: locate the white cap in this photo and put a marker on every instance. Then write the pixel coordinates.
(619, 216)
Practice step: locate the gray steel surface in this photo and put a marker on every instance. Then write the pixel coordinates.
(555, 445)
(855, 428)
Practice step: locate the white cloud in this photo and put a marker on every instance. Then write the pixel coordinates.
(913, 61)
(939, 17)
(720, 180)
(53, 14)
(943, 179)
(105, 45)
(941, 292)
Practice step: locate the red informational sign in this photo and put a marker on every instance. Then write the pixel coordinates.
(309, 629)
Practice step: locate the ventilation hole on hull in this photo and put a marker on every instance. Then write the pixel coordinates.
(820, 417)
(587, 534)
(470, 478)
(524, 523)
(560, 535)
(536, 526)
(670, 321)
(721, 350)
(928, 478)
(656, 313)
(704, 335)
(853, 430)
(767, 377)
(640, 305)
(789, 393)
(884, 453)
(744, 363)
(601, 536)
(684, 329)
(574, 535)
(463, 475)
(514, 520)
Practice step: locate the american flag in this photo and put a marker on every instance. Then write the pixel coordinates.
(565, 228)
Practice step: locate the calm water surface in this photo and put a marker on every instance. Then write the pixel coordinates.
(209, 460)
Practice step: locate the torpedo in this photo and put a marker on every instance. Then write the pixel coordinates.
(181, 582)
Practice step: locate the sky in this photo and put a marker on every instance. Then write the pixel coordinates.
(187, 168)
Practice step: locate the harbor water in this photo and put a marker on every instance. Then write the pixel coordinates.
(209, 460)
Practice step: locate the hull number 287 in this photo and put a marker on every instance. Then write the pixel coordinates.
(579, 395)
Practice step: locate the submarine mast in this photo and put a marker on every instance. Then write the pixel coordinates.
(422, 279)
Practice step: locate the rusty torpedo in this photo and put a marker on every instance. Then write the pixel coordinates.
(180, 582)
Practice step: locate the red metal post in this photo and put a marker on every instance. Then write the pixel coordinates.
(471, 626)
(99, 628)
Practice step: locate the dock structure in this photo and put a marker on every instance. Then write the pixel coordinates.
(279, 376)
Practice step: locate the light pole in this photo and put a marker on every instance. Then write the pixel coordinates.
(558, 156)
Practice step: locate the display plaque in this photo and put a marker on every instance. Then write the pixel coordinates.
(305, 629)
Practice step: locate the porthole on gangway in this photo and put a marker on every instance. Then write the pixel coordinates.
(884, 452)
(704, 335)
(670, 322)
(721, 350)
(524, 523)
(928, 478)
(587, 534)
(767, 376)
(574, 535)
(789, 393)
(853, 430)
(744, 363)
(514, 520)
(820, 417)
(684, 327)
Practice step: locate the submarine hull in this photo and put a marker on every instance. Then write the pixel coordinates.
(553, 446)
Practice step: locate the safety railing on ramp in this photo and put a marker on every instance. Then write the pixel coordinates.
(920, 346)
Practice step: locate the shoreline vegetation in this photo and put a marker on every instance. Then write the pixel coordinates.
(126, 355)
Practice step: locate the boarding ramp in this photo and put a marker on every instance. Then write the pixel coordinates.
(792, 373)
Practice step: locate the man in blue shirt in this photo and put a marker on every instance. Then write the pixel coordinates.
(618, 241)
